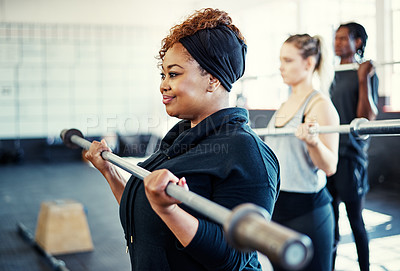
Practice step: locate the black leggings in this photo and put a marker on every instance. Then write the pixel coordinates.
(318, 225)
(354, 214)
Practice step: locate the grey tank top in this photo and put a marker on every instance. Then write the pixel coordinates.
(298, 173)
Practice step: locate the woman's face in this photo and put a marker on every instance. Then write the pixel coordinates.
(345, 46)
(183, 86)
(293, 67)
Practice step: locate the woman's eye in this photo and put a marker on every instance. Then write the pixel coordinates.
(170, 75)
(285, 60)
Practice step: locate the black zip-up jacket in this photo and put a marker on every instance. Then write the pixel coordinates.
(223, 160)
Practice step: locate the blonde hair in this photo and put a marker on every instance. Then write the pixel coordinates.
(315, 46)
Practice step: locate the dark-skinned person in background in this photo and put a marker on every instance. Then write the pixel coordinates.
(355, 95)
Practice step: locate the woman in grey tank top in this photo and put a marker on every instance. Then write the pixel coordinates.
(305, 159)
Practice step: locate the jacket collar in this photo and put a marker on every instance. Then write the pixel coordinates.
(182, 137)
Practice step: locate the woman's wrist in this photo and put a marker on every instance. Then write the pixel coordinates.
(165, 211)
(363, 81)
(313, 143)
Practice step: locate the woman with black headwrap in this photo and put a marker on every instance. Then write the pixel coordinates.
(212, 152)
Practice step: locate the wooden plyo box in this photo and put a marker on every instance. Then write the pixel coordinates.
(62, 227)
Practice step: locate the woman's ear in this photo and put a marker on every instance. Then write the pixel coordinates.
(359, 43)
(311, 62)
(213, 83)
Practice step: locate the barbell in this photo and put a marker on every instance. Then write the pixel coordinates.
(359, 127)
(247, 226)
(355, 66)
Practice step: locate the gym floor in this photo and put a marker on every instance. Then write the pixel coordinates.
(24, 187)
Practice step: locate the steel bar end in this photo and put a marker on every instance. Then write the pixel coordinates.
(66, 137)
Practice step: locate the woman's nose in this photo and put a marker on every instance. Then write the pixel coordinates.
(164, 86)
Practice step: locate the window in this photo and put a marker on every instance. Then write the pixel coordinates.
(269, 25)
(394, 68)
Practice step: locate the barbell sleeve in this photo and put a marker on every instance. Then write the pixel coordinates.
(379, 128)
(247, 226)
(359, 127)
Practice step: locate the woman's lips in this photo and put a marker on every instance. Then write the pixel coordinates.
(167, 99)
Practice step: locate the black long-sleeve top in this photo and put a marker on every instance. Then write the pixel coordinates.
(223, 160)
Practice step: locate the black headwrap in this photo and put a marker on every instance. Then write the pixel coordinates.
(219, 51)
